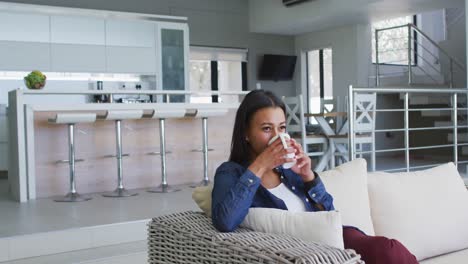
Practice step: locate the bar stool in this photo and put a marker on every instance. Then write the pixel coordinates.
(162, 115)
(71, 119)
(204, 114)
(118, 116)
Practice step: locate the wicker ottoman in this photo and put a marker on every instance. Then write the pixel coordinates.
(189, 237)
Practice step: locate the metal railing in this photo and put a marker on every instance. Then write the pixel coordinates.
(413, 44)
(455, 112)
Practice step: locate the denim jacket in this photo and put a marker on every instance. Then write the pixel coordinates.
(236, 189)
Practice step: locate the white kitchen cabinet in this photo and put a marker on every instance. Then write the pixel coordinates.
(24, 56)
(77, 30)
(73, 43)
(130, 46)
(172, 56)
(130, 33)
(78, 58)
(24, 27)
(77, 44)
(131, 60)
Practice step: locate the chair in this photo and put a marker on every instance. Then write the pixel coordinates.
(162, 115)
(71, 119)
(118, 116)
(364, 128)
(332, 105)
(204, 113)
(295, 125)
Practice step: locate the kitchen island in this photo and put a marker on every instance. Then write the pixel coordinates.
(37, 147)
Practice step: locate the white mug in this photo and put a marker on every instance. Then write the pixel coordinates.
(283, 137)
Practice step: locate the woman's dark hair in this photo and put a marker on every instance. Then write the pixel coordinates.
(253, 101)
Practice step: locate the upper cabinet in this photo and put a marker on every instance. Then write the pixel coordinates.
(77, 44)
(24, 56)
(24, 42)
(108, 43)
(24, 27)
(130, 33)
(77, 30)
(173, 56)
(78, 58)
(130, 46)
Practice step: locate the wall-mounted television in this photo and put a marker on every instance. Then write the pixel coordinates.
(277, 67)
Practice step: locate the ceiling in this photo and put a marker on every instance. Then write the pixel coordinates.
(271, 16)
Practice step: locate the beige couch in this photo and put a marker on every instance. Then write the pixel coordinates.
(425, 210)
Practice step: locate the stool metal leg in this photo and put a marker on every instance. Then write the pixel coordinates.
(120, 191)
(72, 196)
(205, 180)
(164, 187)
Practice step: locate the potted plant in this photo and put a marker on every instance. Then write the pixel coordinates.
(35, 80)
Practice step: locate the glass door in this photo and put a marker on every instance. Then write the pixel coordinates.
(173, 59)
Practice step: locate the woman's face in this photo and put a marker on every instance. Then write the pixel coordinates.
(265, 124)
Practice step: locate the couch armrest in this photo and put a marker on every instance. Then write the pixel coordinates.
(189, 237)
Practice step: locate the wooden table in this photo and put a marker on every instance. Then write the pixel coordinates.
(329, 131)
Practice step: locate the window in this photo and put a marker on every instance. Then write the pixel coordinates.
(217, 69)
(200, 80)
(319, 80)
(393, 43)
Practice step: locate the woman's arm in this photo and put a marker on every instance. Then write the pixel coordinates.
(313, 185)
(316, 192)
(232, 196)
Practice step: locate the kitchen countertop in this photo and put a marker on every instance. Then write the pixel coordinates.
(22, 114)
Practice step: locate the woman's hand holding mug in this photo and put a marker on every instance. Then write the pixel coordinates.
(303, 166)
(276, 154)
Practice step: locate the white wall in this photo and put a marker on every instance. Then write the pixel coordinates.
(351, 56)
(455, 45)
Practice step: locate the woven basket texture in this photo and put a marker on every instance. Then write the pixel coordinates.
(190, 237)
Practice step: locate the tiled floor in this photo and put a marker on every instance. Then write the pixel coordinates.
(134, 253)
(43, 215)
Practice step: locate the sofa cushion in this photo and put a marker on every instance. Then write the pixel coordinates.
(320, 227)
(347, 184)
(450, 258)
(202, 197)
(425, 210)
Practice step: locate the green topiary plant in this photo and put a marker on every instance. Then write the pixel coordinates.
(35, 80)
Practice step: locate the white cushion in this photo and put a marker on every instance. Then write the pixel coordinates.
(320, 227)
(425, 210)
(459, 257)
(202, 197)
(347, 184)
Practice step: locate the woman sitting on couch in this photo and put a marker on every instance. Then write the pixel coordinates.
(254, 177)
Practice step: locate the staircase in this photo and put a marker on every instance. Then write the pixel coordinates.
(420, 66)
(423, 63)
(414, 53)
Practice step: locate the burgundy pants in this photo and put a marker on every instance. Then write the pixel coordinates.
(377, 249)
